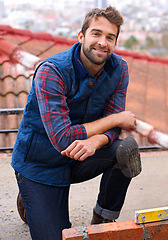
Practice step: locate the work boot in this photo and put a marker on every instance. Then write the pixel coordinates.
(97, 219)
(128, 158)
(21, 209)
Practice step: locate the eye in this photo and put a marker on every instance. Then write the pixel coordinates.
(112, 39)
(95, 34)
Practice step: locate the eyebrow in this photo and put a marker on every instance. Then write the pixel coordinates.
(98, 30)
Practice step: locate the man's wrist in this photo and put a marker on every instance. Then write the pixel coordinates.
(100, 140)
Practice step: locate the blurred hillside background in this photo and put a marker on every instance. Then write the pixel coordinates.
(145, 28)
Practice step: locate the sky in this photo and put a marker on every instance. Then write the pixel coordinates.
(27, 1)
(48, 1)
(117, 3)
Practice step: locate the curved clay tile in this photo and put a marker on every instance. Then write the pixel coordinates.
(154, 136)
(1, 106)
(16, 55)
(16, 38)
(10, 100)
(22, 100)
(3, 58)
(7, 48)
(26, 59)
(22, 84)
(65, 41)
(72, 41)
(60, 40)
(43, 36)
(23, 32)
(141, 56)
(6, 29)
(15, 70)
(8, 86)
(37, 47)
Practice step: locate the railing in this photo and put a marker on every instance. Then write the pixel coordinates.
(10, 111)
(17, 111)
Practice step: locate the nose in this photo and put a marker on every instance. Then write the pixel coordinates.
(102, 42)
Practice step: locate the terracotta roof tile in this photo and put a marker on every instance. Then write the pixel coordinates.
(7, 86)
(21, 50)
(155, 108)
(3, 58)
(17, 39)
(7, 47)
(14, 70)
(43, 36)
(5, 29)
(53, 50)
(10, 100)
(22, 85)
(1, 102)
(21, 100)
(36, 47)
(137, 88)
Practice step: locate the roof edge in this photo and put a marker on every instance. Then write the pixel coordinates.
(140, 56)
(7, 29)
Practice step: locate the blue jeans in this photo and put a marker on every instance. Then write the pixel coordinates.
(47, 206)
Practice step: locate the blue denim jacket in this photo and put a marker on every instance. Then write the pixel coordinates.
(34, 156)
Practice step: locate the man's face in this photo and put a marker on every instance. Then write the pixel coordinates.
(99, 41)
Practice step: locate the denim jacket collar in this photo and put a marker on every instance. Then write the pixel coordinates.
(80, 69)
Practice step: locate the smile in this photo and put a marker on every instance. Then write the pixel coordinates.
(100, 50)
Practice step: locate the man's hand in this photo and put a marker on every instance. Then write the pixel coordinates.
(81, 149)
(127, 120)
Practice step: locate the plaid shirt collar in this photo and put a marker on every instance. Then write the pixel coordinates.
(80, 69)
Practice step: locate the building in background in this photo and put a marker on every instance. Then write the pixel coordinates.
(2, 9)
(101, 3)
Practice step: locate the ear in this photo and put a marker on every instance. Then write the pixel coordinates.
(80, 37)
(115, 44)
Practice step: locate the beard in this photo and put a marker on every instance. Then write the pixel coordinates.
(99, 59)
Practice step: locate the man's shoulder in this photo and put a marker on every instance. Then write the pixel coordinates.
(62, 57)
(117, 59)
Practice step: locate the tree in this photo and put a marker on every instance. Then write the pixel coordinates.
(131, 42)
(149, 42)
(165, 40)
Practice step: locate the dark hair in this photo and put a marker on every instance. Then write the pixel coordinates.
(111, 13)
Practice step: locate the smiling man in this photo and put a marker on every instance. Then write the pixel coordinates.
(97, 44)
(70, 130)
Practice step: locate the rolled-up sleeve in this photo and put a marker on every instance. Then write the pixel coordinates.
(51, 93)
(117, 101)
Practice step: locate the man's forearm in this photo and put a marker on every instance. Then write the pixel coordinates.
(123, 119)
(81, 149)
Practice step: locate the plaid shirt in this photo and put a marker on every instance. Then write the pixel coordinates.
(51, 94)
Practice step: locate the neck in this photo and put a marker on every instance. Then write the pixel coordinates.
(91, 67)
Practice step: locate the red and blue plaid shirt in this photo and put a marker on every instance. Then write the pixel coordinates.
(51, 92)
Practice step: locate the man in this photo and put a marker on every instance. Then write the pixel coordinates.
(70, 129)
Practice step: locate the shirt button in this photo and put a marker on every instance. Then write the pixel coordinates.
(86, 117)
(91, 83)
(69, 101)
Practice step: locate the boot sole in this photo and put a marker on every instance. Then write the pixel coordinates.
(128, 157)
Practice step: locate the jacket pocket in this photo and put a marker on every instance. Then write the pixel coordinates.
(41, 151)
(32, 143)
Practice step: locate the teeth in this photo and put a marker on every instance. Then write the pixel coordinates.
(100, 50)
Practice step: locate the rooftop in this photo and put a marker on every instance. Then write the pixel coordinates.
(21, 50)
(142, 194)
